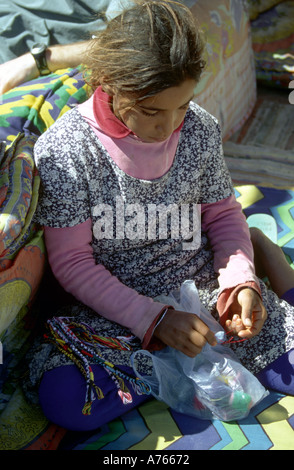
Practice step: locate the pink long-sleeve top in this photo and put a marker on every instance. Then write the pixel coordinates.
(71, 255)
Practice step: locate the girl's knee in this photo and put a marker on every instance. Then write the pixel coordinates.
(62, 395)
(279, 375)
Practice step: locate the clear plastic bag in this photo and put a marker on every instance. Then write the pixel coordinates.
(212, 385)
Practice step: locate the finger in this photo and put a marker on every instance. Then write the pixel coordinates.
(195, 344)
(210, 338)
(259, 318)
(246, 312)
(228, 326)
(201, 328)
(235, 325)
(190, 348)
(247, 334)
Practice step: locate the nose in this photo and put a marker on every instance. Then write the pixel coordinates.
(165, 127)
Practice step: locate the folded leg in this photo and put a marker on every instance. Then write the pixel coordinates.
(62, 397)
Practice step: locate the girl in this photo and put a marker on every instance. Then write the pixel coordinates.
(126, 178)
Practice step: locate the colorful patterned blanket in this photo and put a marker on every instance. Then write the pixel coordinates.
(22, 261)
(30, 109)
(36, 105)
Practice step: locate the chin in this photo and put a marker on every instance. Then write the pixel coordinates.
(158, 139)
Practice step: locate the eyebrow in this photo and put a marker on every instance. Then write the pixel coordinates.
(160, 109)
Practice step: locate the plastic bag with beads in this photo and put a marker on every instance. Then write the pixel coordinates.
(212, 385)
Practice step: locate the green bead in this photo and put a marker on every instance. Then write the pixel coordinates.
(241, 401)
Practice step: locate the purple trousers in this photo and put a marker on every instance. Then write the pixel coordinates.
(62, 397)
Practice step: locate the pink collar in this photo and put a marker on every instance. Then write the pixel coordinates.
(105, 118)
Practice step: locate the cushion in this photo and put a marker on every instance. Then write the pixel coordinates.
(228, 85)
(273, 45)
(255, 7)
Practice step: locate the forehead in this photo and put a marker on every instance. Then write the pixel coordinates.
(171, 98)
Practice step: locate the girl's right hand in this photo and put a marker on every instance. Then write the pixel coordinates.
(184, 331)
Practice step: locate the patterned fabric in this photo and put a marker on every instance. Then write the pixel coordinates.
(22, 260)
(25, 112)
(34, 106)
(18, 195)
(150, 265)
(278, 203)
(155, 427)
(276, 337)
(21, 247)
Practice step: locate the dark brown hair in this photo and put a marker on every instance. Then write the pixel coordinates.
(146, 49)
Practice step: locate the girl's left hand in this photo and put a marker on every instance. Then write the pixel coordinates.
(248, 314)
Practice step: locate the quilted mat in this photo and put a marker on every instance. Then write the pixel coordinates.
(155, 427)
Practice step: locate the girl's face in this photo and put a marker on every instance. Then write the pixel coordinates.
(156, 118)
